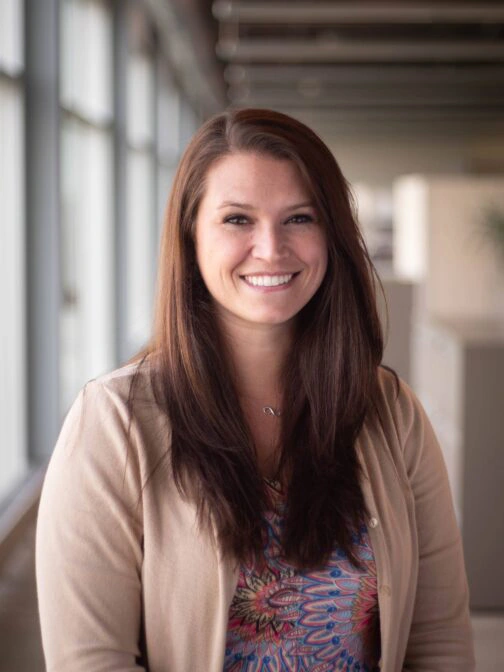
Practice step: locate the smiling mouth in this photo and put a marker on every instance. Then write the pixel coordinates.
(269, 280)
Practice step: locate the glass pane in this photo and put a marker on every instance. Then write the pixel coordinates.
(87, 314)
(13, 448)
(140, 113)
(141, 246)
(87, 58)
(11, 35)
(165, 180)
(168, 119)
(189, 122)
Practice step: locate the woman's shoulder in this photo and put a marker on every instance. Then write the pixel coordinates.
(396, 397)
(126, 392)
(402, 418)
(113, 421)
(126, 383)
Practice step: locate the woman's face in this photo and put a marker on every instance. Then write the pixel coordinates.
(260, 245)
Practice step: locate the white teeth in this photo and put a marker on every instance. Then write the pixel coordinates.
(268, 280)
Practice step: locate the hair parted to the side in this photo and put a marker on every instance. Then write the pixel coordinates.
(329, 381)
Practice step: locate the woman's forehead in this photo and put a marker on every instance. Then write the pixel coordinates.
(255, 175)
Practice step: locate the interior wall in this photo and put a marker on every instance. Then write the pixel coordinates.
(378, 160)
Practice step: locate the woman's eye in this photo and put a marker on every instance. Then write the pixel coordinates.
(236, 219)
(300, 219)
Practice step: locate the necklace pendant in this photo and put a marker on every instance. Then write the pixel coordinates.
(269, 410)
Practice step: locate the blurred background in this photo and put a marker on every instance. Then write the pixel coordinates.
(98, 98)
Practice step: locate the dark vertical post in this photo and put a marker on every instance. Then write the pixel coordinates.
(156, 156)
(120, 16)
(43, 224)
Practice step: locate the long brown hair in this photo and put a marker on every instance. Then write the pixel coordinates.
(329, 380)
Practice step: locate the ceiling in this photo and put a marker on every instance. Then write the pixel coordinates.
(355, 65)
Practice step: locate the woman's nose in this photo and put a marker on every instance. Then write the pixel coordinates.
(270, 242)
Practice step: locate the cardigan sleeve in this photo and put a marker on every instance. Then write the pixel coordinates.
(440, 638)
(89, 541)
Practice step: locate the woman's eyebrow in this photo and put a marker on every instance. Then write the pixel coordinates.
(235, 204)
(304, 204)
(247, 206)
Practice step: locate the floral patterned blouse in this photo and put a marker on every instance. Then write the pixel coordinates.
(283, 619)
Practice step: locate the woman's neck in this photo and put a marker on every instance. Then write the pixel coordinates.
(258, 354)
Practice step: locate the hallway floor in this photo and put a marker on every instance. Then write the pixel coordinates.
(20, 644)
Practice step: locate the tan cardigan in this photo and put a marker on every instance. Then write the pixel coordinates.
(119, 553)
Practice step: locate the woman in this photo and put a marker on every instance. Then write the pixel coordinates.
(255, 492)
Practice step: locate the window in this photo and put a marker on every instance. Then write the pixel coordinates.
(87, 249)
(13, 448)
(141, 226)
(103, 156)
(168, 116)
